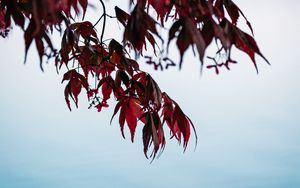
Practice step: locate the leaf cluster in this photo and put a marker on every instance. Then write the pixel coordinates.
(104, 69)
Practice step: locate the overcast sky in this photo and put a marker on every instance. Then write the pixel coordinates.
(248, 124)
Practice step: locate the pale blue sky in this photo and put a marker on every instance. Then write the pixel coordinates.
(248, 124)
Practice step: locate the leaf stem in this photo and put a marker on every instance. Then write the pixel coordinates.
(104, 20)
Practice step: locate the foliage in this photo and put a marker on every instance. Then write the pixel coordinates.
(106, 63)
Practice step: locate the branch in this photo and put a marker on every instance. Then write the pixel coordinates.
(104, 20)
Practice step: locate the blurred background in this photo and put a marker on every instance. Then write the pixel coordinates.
(248, 124)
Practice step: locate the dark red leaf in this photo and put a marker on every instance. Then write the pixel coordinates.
(122, 119)
(219, 10)
(73, 88)
(122, 16)
(244, 42)
(131, 117)
(117, 108)
(83, 4)
(138, 27)
(232, 10)
(147, 134)
(40, 48)
(67, 93)
(162, 7)
(175, 27)
(189, 35)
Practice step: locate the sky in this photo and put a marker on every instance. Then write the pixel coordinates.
(248, 124)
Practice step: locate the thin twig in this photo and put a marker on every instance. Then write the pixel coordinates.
(98, 20)
(104, 20)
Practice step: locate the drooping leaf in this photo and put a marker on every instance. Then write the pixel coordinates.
(138, 28)
(122, 16)
(244, 42)
(73, 88)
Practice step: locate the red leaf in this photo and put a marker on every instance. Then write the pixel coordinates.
(107, 90)
(155, 139)
(218, 8)
(83, 4)
(138, 27)
(177, 121)
(244, 42)
(182, 124)
(131, 119)
(188, 35)
(67, 93)
(40, 48)
(162, 7)
(147, 134)
(152, 41)
(232, 10)
(122, 119)
(115, 46)
(122, 16)
(183, 42)
(174, 28)
(73, 88)
(196, 37)
(28, 36)
(155, 92)
(117, 108)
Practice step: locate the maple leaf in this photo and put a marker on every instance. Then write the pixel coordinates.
(39, 36)
(177, 121)
(162, 7)
(138, 27)
(243, 41)
(73, 88)
(153, 133)
(233, 10)
(188, 35)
